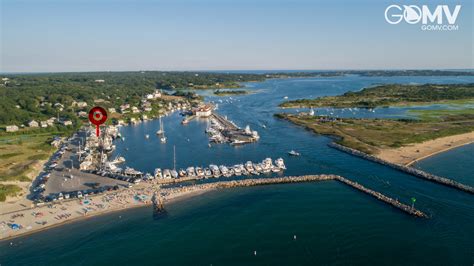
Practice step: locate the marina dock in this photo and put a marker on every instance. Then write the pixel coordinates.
(406, 169)
(223, 130)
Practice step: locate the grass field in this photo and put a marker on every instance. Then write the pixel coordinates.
(8, 190)
(370, 135)
(18, 153)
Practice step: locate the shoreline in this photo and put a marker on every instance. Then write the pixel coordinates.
(411, 154)
(146, 195)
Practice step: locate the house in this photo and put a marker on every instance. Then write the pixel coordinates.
(112, 110)
(11, 128)
(99, 81)
(135, 110)
(124, 107)
(203, 110)
(144, 117)
(33, 123)
(81, 104)
(56, 142)
(147, 109)
(82, 114)
(133, 121)
(67, 123)
(44, 124)
(149, 96)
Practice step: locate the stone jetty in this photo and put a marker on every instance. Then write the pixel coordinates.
(296, 179)
(406, 169)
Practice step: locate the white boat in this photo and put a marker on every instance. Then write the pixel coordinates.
(267, 165)
(207, 172)
(166, 174)
(163, 139)
(249, 166)
(190, 171)
(280, 163)
(118, 160)
(286, 97)
(158, 173)
(161, 130)
(182, 173)
(174, 173)
(199, 172)
(225, 172)
(147, 136)
(215, 170)
(237, 170)
(294, 153)
(257, 167)
(311, 111)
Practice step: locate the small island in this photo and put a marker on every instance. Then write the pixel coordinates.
(392, 95)
(230, 92)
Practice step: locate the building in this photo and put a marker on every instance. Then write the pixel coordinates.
(135, 110)
(203, 110)
(11, 128)
(81, 104)
(82, 114)
(33, 123)
(67, 123)
(44, 124)
(99, 81)
(112, 110)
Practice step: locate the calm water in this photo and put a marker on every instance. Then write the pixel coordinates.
(333, 224)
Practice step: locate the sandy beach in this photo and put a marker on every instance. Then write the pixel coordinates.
(410, 154)
(39, 218)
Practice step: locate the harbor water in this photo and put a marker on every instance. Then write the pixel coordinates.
(291, 224)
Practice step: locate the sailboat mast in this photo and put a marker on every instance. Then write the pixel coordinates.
(174, 157)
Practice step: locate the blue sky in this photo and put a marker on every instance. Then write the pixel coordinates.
(96, 35)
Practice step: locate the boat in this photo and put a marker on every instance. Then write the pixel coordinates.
(294, 153)
(148, 176)
(311, 111)
(249, 166)
(258, 167)
(224, 170)
(267, 165)
(182, 173)
(158, 173)
(166, 174)
(190, 171)
(286, 97)
(237, 170)
(118, 160)
(174, 173)
(199, 172)
(163, 139)
(215, 170)
(147, 136)
(280, 163)
(207, 172)
(161, 131)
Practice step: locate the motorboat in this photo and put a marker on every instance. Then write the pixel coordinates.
(294, 153)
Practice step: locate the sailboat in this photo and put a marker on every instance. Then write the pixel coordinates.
(161, 131)
(311, 111)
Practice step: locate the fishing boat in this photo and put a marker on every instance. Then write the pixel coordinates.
(294, 153)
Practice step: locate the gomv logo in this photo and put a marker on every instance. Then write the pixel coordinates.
(413, 14)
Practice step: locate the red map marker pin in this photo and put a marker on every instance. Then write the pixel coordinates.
(97, 116)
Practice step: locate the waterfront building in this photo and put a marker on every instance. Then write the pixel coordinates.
(203, 110)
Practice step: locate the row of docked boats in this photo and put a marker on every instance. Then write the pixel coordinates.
(249, 168)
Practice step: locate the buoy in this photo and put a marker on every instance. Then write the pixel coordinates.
(255, 253)
(294, 237)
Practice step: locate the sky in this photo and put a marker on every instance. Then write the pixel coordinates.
(106, 35)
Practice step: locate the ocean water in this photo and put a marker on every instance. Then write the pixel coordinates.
(332, 223)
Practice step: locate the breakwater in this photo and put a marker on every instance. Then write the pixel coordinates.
(298, 179)
(406, 169)
(381, 197)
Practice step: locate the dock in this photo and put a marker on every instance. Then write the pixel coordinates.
(223, 130)
(406, 169)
